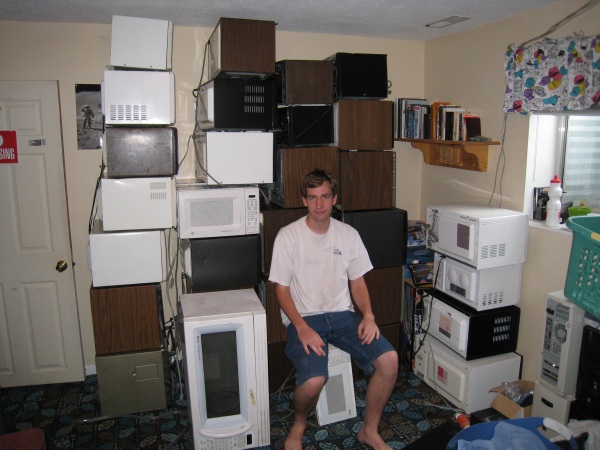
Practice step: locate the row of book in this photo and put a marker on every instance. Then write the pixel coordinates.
(416, 118)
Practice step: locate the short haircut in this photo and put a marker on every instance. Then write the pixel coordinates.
(316, 178)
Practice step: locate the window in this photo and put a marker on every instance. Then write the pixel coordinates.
(581, 161)
(567, 145)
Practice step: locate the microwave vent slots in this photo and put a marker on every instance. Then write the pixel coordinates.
(493, 298)
(254, 99)
(212, 213)
(128, 112)
(502, 327)
(493, 251)
(158, 190)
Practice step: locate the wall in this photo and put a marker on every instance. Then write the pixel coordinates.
(79, 53)
(467, 68)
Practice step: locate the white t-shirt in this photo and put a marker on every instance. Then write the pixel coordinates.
(317, 267)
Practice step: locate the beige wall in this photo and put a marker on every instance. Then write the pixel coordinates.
(467, 68)
(79, 53)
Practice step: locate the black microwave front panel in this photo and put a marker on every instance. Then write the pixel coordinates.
(225, 263)
(305, 125)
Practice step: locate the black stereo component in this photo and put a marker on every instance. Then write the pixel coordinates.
(141, 152)
(310, 125)
(359, 76)
(236, 104)
(384, 233)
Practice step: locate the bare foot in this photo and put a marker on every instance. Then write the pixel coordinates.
(374, 441)
(294, 437)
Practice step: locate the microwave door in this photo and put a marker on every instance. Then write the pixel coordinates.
(457, 238)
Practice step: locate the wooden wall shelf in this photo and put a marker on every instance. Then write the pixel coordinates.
(465, 155)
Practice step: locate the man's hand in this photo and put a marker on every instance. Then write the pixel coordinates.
(367, 330)
(310, 340)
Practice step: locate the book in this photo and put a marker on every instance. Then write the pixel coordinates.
(434, 119)
(411, 116)
(472, 126)
(450, 114)
(422, 274)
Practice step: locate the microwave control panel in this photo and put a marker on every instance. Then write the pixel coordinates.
(252, 211)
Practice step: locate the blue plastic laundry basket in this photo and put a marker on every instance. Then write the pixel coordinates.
(485, 431)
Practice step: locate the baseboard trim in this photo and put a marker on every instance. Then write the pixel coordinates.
(90, 370)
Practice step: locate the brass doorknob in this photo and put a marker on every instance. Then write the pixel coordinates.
(61, 266)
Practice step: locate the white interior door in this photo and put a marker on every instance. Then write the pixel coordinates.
(40, 340)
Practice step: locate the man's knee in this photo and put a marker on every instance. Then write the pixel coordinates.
(387, 363)
(313, 386)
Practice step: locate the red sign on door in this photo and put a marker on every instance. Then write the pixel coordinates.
(8, 147)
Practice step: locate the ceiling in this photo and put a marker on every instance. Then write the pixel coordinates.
(396, 19)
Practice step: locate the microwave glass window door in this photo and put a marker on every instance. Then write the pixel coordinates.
(212, 212)
(219, 355)
(456, 237)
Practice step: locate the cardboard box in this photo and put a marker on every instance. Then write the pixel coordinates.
(509, 408)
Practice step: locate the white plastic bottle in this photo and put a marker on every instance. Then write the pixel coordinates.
(553, 205)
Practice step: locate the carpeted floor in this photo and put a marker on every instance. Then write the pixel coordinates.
(70, 416)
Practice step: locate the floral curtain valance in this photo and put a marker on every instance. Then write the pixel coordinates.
(553, 75)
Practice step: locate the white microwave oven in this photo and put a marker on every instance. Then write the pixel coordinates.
(126, 257)
(137, 203)
(226, 369)
(235, 157)
(141, 43)
(480, 236)
(480, 289)
(205, 212)
(466, 384)
(138, 97)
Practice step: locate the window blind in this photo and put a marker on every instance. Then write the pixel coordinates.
(581, 171)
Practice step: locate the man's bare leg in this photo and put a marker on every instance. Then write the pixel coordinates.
(306, 397)
(379, 391)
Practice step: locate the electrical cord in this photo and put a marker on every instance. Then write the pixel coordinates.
(590, 4)
(94, 209)
(501, 163)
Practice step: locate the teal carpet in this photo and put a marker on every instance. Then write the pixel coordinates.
(70, 416)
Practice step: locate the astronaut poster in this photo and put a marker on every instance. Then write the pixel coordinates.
(90, 121)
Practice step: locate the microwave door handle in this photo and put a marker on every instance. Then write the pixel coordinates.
(235, 431)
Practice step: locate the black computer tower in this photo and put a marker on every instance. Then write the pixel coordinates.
(587, 397)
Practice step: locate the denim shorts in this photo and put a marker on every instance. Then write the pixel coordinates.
(341, 330)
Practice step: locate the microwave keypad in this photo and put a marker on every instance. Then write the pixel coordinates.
(253, 212)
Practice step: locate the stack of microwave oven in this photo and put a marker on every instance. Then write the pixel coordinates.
(136, 205)
(219, 233)
(470, 322)
(219, 211)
